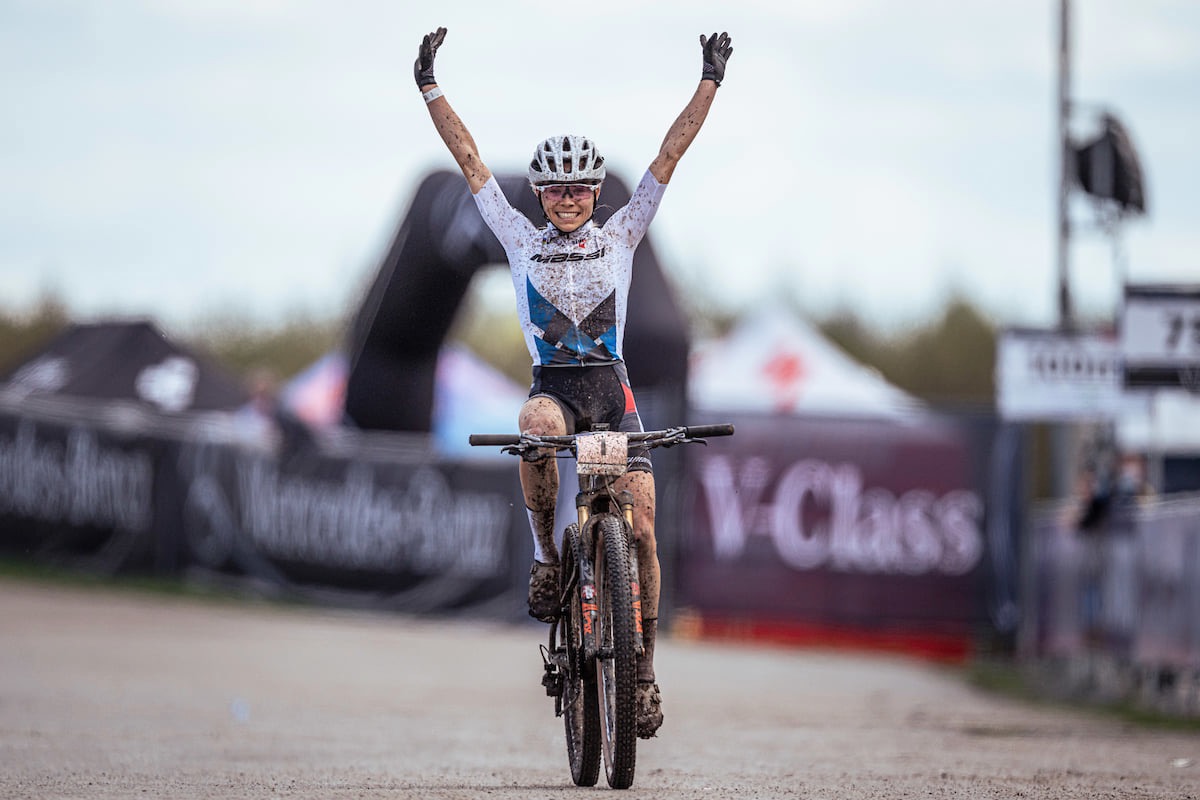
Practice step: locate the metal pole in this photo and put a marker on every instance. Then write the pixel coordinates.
(1065, 314)
(1061, 433)
(1061, 438)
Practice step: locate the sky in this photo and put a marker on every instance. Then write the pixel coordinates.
(184, 159)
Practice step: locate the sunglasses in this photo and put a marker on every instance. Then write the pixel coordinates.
(560, 191)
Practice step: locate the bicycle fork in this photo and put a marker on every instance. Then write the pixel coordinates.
(587, 576)
(584, 582)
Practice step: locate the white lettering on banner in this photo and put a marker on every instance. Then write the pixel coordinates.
(1067, 361)
(170, 385)
(425, 526)
(80, 483)
(1050, 375)
(732, 516)
(821, 516)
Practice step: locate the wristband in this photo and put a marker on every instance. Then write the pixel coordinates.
(432, 94)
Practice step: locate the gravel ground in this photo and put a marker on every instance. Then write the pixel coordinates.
(107, 694)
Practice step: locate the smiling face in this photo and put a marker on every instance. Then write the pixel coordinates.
(568, 206)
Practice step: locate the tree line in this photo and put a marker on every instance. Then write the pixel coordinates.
(946, 360)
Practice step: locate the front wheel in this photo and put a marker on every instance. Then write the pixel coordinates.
(581, 711)
(617, 664)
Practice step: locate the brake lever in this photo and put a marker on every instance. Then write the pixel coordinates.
(526, 452)
(679, 437)
(529, 451)
(685, 440)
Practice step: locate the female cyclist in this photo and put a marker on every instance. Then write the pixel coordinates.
(572, 285)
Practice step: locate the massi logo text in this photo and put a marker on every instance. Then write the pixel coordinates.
(558, 258)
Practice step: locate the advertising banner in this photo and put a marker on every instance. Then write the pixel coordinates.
(1049, 375)
(412, 535)
(76, 494)
(869, 524)
(1160, 336)
(368, 523)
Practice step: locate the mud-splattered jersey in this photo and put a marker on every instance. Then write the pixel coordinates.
(572, 288)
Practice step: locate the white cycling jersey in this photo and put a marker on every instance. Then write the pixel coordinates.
(572, 288)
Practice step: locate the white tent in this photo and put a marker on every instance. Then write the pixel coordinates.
(774, 362)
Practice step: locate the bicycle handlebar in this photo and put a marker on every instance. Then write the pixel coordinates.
(665, 438)
(701, 431)
(493, 439)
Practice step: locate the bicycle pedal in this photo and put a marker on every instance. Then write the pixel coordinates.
(552, 679)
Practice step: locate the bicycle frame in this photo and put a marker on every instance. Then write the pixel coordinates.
(595, 499)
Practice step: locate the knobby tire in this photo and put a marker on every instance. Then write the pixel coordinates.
(616, 681)
(580, 699)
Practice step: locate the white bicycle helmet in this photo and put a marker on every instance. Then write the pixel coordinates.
(566, 159)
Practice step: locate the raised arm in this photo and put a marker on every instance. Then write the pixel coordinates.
(452, 130)
(716, 50)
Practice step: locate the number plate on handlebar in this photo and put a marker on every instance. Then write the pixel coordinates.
(601, 453)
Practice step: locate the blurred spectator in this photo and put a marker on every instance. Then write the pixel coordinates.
(257, 420)
(264, 422)
(263, 384)
(1133, 485)
(1094, 494)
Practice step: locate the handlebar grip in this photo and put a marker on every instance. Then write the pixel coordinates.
(493, 439)
(701, 431)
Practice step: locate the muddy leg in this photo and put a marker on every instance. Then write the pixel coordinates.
(641, 484)
(539, 479)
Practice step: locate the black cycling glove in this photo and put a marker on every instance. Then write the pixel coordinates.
(717, 50)
(423, 67)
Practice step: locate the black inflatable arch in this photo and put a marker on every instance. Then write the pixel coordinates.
(442, 241)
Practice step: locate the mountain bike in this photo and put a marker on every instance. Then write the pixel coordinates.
(590, 662)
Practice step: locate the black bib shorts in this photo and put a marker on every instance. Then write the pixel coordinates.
(594, 395)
